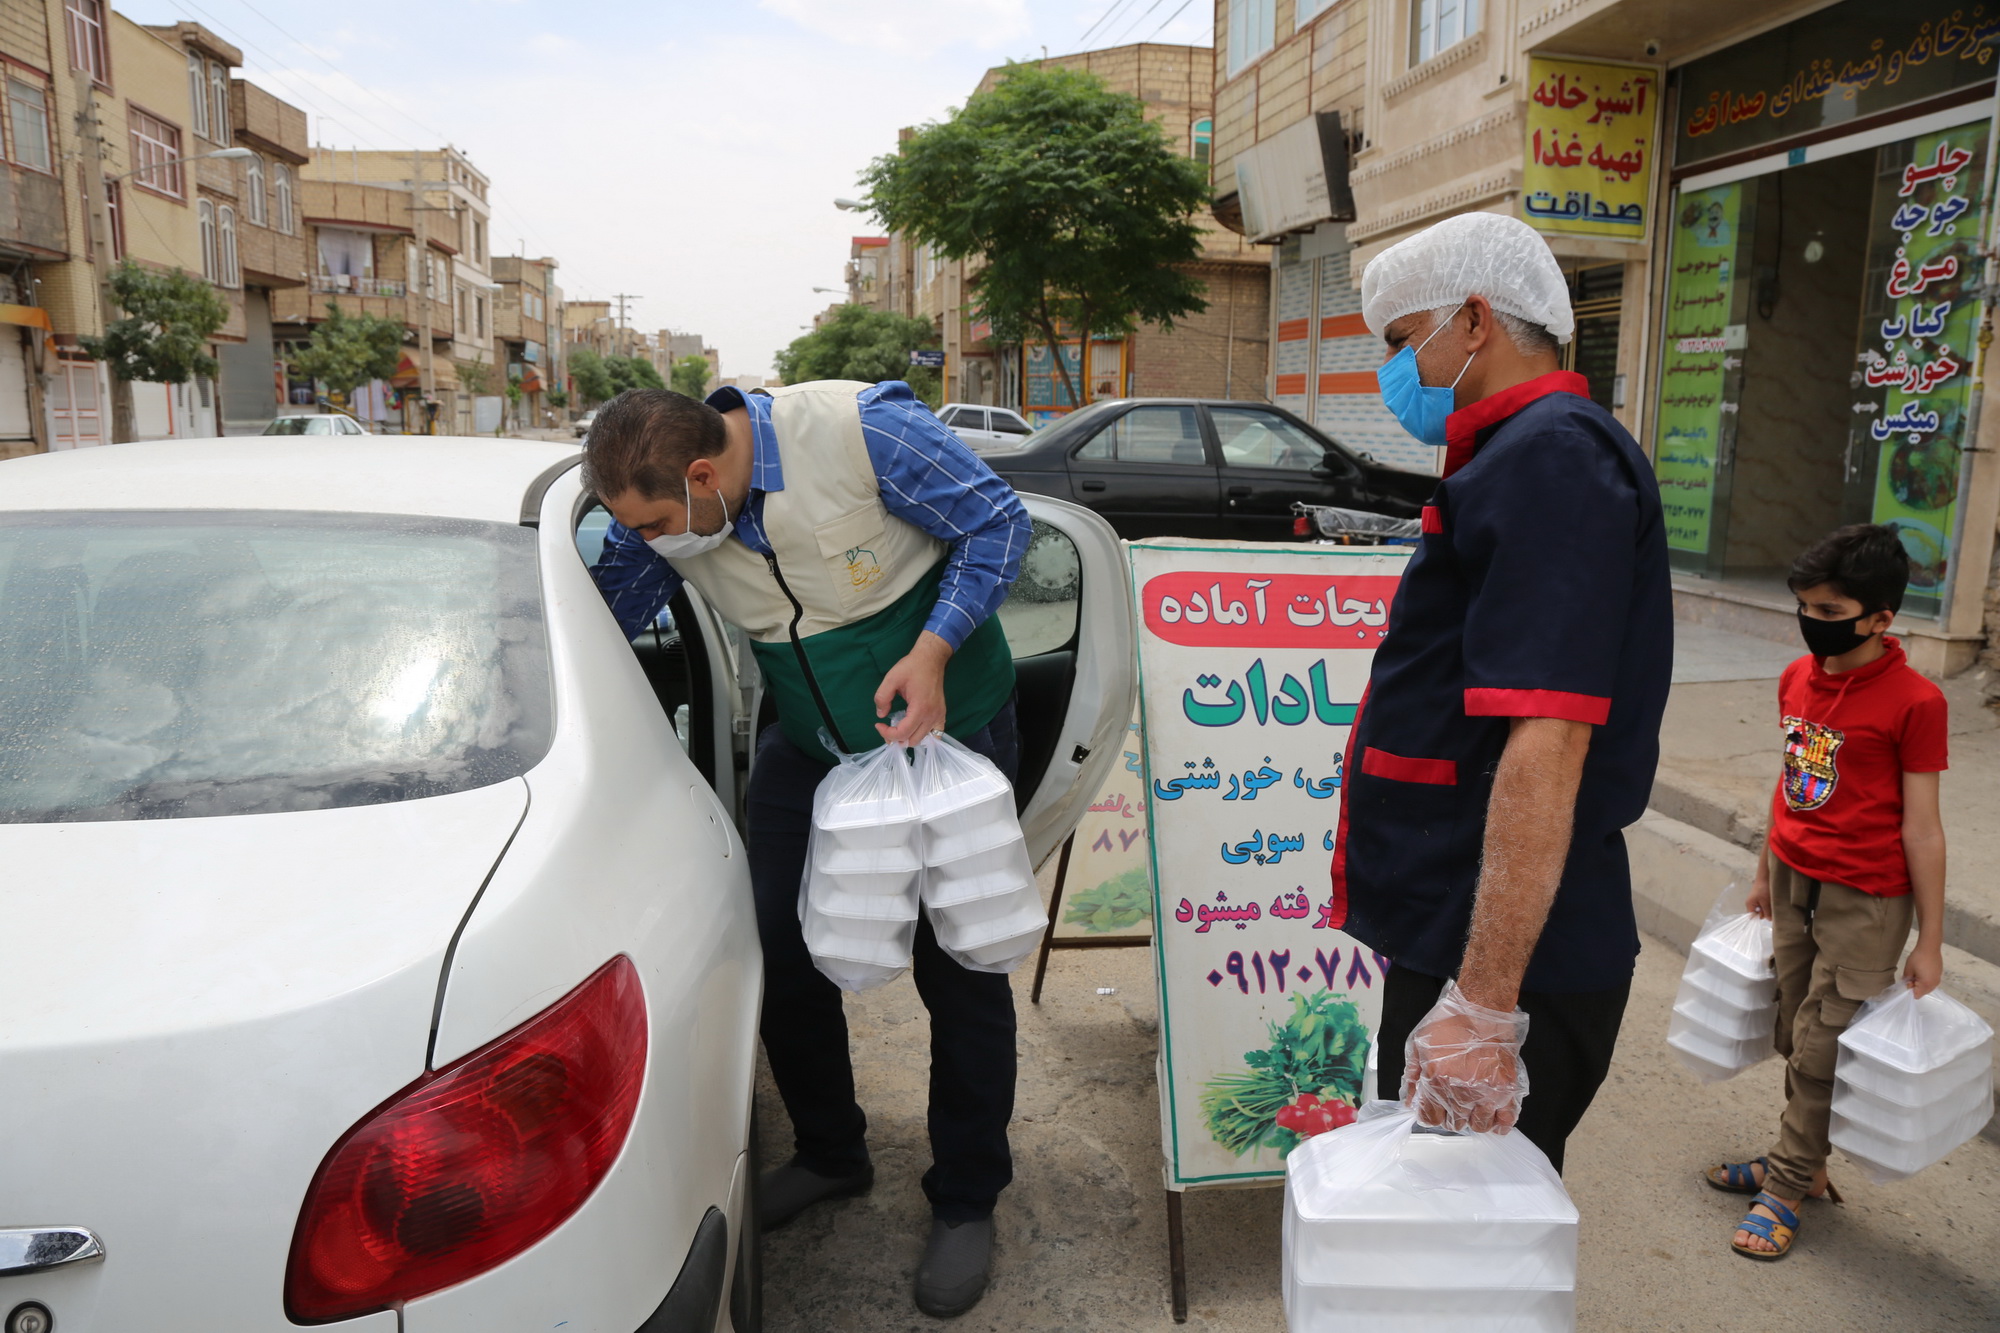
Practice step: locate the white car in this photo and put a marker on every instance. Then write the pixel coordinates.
(583, 423)
(315, 423)
(985, 427)
(376, 957)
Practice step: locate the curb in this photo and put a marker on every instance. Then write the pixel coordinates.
(1678, 870)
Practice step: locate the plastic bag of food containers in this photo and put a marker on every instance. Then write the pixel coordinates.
(1726, 1011)
(858, 903)
(978, 884)
(1914, 1080)
(1390, 1226)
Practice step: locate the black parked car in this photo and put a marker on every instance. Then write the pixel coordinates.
(1185, 467)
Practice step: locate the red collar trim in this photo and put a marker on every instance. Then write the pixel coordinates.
(1461, 428)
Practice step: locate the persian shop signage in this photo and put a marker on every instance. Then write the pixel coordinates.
(1592, 145)
(1856, 59)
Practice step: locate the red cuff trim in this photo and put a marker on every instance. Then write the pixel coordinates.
(1461, 428)
(1538, 703)
(1433, 521)
(1432, 772)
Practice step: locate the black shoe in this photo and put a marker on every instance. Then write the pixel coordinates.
(789, 1190)
(952, 1277)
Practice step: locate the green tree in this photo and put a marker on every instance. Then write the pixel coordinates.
(163, 337)
(860, 343)
(513, 393)
(1077, 203)
(474, 377)
(592, 380)
(347, 351)
(690, 376)
(632, 372)
(558, 398)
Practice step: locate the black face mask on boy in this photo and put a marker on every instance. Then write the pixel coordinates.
(1831, 638)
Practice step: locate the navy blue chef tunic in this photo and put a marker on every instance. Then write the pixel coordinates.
(1540, 589)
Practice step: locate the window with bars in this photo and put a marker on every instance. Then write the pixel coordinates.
(253, 191)
(28, 119)
(1439, 25)
(87, 47)
(225, 245)
(218, 99)
(284, 193)
(205, 213)
(156, 155)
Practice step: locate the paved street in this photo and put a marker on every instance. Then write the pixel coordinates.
(1082, 1237)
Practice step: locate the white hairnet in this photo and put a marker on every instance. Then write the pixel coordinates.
(1474, 254)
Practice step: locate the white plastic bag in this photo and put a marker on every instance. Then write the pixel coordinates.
(1388, 1225)
(1913, 1081)
(1726, 1011)
(858, 900)
(979, 885)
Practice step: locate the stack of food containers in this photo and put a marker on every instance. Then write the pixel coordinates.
(858, 904)
(1914, 1080)
(1386, 1228)
(1726, 1012)
(979, 884)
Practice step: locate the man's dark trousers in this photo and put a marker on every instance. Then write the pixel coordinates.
(805, 1030)
(1568, 1051)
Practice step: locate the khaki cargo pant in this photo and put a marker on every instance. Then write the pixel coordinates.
(1835, 947)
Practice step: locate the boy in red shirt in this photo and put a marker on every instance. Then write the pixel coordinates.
(1855, 843)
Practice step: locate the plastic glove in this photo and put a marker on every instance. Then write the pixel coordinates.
(1462, 1066)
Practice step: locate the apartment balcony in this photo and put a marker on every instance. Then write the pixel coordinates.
(31, 213)
(343, 284)
(385, 298)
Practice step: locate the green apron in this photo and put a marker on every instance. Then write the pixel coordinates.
(849, 662)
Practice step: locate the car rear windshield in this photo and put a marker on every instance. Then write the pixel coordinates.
(173, 665)
(291, 426)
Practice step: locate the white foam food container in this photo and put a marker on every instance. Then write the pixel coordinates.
(830, 897)
(856, 941)
(976, 787)
(1894, 1155)
(1711, 1056)
(1738, 951)
(1878, 1115)
(902, 859)
(1023, 917)
(1724, 1019)
(1900, 1088)
(965, 835)
(1942, 1030)
(986, 875)
(1001, 905)
(1728, 986)
(1310, 1309)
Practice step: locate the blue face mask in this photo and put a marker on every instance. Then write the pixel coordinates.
(1418, 408)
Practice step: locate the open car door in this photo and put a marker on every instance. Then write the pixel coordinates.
(1068, 619)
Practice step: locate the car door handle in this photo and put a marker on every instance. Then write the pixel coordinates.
(38, 1249)
(1092, 485)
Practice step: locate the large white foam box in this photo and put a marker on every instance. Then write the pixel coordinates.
(1726, 1011)
(858, 902)
(1913, 1081)
(1390, 1228)
(979, 884)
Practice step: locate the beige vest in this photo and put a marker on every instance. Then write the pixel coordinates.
(844, 556)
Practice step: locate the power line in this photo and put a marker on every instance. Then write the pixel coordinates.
(1143, 17)
(1169, 19)
(1116, 5)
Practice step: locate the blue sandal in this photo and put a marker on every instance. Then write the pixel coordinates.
(1779, 1232)
(1738, 1178)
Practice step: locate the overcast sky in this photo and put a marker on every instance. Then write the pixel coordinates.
(686, 151)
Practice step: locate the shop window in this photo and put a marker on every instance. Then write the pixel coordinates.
(1253, 28)
(1439, 25)
(253, 191)
(87, 48)
(28, 117)
(156, 154)
(210, 268)
(1204, 137)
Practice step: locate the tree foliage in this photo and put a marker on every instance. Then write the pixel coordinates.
(861, 343)
(347, 351)
(163, 338)
(632, 372)
(474, 377)
(558, 397)
(1077, 203)
(690, 376)
(592, 381)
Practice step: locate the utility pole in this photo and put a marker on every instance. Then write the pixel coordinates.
(427, 371)
(621, 298)
(90, 145)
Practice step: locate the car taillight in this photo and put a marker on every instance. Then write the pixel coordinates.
(1302, 526)
(474, 1163)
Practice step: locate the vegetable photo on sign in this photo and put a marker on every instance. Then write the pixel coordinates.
(1306, 1082)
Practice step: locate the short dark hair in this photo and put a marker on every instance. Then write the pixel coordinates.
(643, 441)
(1865, 561)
